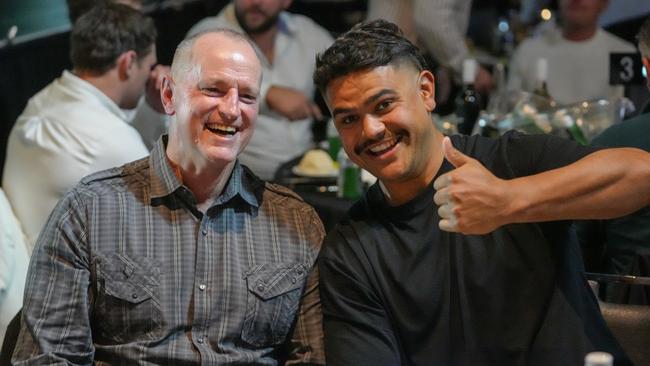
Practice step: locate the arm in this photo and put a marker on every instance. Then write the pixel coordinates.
(602, 185)
(356, 326)
(55, 327)
(306, 345)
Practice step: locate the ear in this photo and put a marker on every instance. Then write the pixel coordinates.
(125, 63)
(427, 89)
(167, 95)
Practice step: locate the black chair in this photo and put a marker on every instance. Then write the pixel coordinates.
(9, 343)
(629, 323)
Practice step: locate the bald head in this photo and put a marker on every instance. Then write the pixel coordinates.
(185, 63)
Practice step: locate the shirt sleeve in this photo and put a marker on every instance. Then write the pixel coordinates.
(55, 326)
(356, 326)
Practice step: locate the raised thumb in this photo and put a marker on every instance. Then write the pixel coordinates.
(455, 157)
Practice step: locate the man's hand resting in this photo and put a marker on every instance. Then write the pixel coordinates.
(292, 104)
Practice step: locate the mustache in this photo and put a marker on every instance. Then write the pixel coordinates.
(358, 149)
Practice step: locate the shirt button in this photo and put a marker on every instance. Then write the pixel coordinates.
(260, 288)
(204, 231)
(134, 295)
(202, 287)
(293, 280)
(200, 340)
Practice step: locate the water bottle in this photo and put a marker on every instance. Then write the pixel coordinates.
(349, 180)
(468, 102)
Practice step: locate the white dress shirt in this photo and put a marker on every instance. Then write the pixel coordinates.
(577, 71)
(67, 131)
(14, 259)
(277, 139)
(438, 25)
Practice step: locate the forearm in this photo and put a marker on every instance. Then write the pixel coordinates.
(605, 184)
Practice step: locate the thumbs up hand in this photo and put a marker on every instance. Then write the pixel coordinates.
(471, 199)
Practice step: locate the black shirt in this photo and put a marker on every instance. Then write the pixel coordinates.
(397, 290)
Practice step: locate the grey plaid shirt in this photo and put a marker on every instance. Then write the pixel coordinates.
(127, 271)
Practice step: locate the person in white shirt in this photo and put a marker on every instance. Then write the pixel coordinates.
(439, 27)
(76, 126)
(577, 56)
(287, 44)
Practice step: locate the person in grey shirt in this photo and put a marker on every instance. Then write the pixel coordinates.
(184, 257)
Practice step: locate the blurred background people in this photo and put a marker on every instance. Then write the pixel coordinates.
(76, 126)
(287, 45)
(622, 245)
(439, 27)
(576, 53)
(14, 258)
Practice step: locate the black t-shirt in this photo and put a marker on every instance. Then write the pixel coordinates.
(397, 290)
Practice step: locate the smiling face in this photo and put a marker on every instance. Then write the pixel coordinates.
(383, 116)
(214, 100)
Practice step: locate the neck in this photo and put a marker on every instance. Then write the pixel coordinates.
(105, 82)
(205, 180)
(400, 192)
(579, 34)
(265, 41)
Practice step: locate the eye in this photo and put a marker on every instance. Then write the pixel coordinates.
(383, 105)
(349, 119)
(210, 91)
(248, 98)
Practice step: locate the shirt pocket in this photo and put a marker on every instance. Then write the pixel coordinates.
(274, 292)
(127, 306)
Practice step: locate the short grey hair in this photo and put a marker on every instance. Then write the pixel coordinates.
(182, 62)
(644, 39)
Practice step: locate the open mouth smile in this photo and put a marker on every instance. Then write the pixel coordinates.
(384, 146)
(220, 129)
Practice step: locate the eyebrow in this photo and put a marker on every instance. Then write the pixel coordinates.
(373, 98)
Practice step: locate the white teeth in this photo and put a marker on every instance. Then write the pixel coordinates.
(383, 146)
(223, 128)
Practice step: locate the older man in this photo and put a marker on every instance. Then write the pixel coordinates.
(287, 45)
(490, 277)
(184, 257)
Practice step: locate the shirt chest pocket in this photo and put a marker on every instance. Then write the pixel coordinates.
(273, 299)
(127, 306)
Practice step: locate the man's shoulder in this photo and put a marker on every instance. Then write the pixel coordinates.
(615, 43)
(116, 179)
(629, 133)
(282, 196)
(308, 29)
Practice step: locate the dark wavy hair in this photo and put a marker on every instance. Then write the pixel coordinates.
(105, 32)
(367, 45)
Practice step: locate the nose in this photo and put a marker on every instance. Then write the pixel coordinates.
(228, 106)
(373, 127)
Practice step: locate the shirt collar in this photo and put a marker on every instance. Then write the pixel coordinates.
(164, 182)
(73, 81)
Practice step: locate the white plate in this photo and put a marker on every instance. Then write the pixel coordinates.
(296, 170)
